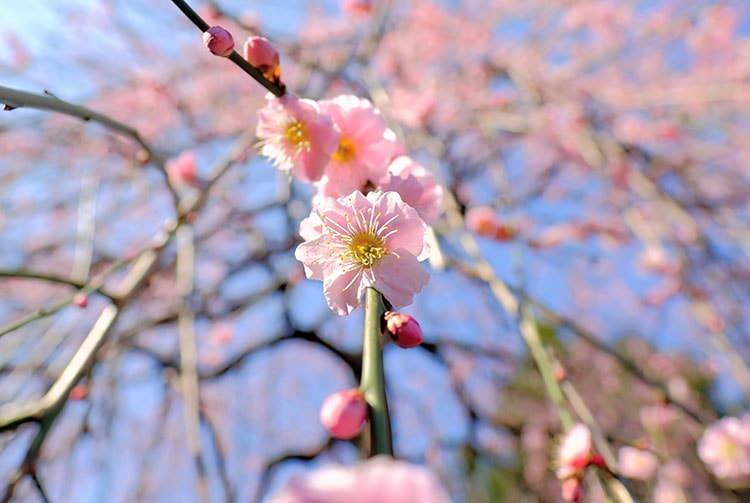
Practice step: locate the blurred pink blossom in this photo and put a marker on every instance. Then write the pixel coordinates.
(365, 241)
(418, 188)
(379, 480)
(365, 148)
(296, 137)
(657, 417)
(572, 489)
(362, 7)
(636, 463)
(725, 449)
(574, 453)
(344, 413)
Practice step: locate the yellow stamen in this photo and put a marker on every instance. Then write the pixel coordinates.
(347, 150)
(296, 133)
(366, 248)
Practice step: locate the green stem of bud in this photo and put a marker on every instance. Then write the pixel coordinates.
(373, 377)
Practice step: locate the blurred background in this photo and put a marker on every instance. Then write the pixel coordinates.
(595, 159)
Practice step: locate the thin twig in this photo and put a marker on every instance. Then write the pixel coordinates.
(278, 90)
(188, 355)
(15, 98)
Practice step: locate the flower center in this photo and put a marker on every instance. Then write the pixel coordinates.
(296, 133)
(366, 248)
(729, 450)
(347, 150)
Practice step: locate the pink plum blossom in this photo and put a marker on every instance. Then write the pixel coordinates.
(419, 188)
(296, 137)
(344, 413)
(381, 479)
(725, 449)
(362, 241)
(365, 147)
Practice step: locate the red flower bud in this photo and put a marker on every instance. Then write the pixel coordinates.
(404, 329)
(344, 413)
(219, 41)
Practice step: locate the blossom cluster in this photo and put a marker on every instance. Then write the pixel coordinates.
(370, 214)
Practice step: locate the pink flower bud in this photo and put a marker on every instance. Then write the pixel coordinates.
(484, 222)
(344, 413)
(183, 169)
(259, 52)
(219, 41)
(362, 7)
(78, 392)
(81, 300)
(404, 329)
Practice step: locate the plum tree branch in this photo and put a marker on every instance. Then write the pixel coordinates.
(15, 98)
(277, 90)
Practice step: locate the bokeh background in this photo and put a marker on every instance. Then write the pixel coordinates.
(605, 139)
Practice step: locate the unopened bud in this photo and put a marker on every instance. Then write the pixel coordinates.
(484, 222)
(81, 299)
(219, 41)
(344, 413)
(78, 392)
(182, 170)
(259, 52)
(404, 329)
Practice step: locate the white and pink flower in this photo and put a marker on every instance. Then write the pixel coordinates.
(296, 136)
(576, 453)
(360, 241)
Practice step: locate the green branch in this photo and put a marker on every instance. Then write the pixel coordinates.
(373, 377)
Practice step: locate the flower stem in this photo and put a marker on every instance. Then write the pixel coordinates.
(373, 377)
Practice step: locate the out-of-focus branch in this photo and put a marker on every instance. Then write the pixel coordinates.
(188, 355)
(596, 151)
(86, 289)
(86, 228)
(278, 90)
(15, 98)
(220, 454)
(48, 407)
